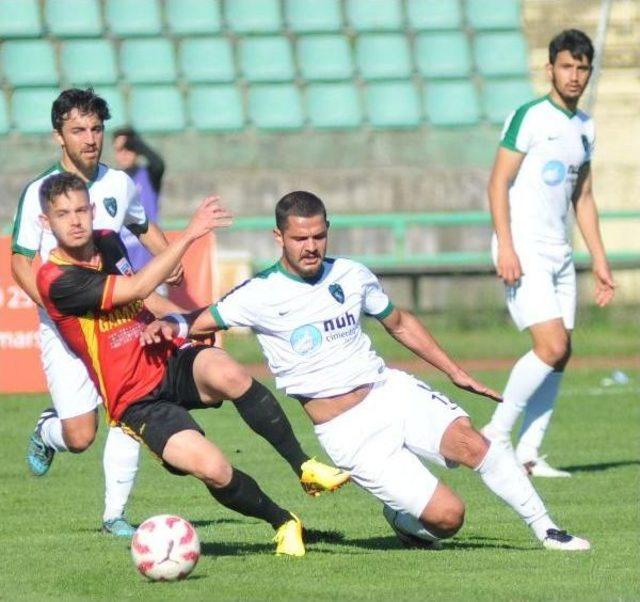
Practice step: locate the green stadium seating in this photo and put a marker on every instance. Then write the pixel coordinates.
(424, 15)
(334, 105)
(443, 54)
(29, 63)
(501, 53)
(501, 96)
(88, 62)
(266, 59)
(19, 19)
(308, 16)
(374, 15)
(253, 16)
(5, 124)
(383, 56)
(493, 14)
(156, 109)
(216, 108)
(148, 61)
(139, 18)
(324, 57)
(73, 18)
(117, 108)
(450, 103)
(31, 109)
(393, 105)
(275, 107)
(189, 17)
(204, 60)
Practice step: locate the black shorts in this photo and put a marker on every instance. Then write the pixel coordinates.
(165, 411)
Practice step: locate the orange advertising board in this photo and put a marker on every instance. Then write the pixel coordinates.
(20, 367)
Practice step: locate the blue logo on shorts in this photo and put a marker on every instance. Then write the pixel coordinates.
(305, 339)
(553, 172)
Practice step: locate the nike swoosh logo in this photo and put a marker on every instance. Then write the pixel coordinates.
(552, 137)
(283, 313)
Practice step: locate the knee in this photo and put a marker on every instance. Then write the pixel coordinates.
(235, 379)
(447, 521)
(556, 351)
(79, 440)
(214, 473)
(464, 445)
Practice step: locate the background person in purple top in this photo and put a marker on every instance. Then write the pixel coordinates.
(129, 149)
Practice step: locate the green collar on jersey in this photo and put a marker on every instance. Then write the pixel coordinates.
(61, 169)
(567, 112)
(313, 280)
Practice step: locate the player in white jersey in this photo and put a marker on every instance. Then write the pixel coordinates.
(372, 421)
(542, 168)
(78, 118)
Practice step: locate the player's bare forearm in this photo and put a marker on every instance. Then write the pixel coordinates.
(22, 271)
(167, 328)
(161, 306)
(589, 225)
(154, 239)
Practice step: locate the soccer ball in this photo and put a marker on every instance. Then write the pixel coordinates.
(165, 548)
(409, 530)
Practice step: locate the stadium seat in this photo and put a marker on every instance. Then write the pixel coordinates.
(73, 18)
(502, 53)
(501, 96)
(156, 109)
(424, 15)
(324, 57)
(5, 124)
(148, 61)
(29, 63)
(139, 18)
(393, 105)
(308, 16)
(383, 56)
(253, 16)
(443, 54)
(88, 62)
(493, 14)
(117, 108)
(333, 106)
(275, 107)
(374, 15)
(20, 19)
(188, 17)
(206, 60)
(266, 59)
(452, 103)
(217, 108)
(31, 109)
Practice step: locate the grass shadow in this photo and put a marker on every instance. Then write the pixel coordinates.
(600, 466)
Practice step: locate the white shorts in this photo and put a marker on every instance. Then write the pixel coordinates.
(379, 440)
(547, 288)
(72, 391)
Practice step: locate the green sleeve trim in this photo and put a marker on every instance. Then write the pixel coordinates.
(218, 318)
(510, 138)
(138, 229)
(385, 312)
(16, 248)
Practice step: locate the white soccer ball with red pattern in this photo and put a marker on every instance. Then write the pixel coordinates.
(165, 548)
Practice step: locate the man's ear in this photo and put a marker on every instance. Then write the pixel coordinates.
(549, 70)
(57, 137)
(93, 211)
(278, 236)
(44, 222)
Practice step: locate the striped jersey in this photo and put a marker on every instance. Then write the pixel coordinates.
(78, 297)
(310, 330)
(556, 144)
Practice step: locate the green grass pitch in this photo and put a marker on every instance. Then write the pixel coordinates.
(52, 550)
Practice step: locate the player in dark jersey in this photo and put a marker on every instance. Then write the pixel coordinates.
(96, 301)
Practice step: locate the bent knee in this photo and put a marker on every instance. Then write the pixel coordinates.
(447, 521)
(79, 441)
(214, 474)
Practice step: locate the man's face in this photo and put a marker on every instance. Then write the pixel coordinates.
(569, 76)
(70, 219)
(81, 139)
(124, 158)
(304, 244)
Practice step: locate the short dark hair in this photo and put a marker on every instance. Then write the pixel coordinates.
(86, 101)
(57, 185)
(300, 204)
(575, 41)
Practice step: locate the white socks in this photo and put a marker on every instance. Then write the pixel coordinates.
(526, 377)
(51, 433)
(501, 473)
(536, 418)
(120, 461)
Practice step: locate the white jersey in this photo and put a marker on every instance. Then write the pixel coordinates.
(112, 192)
(556, 144)
(309, 330)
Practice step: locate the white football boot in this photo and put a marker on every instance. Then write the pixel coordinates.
(561, 540)
(539, 467)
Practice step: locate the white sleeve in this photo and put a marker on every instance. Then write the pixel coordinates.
(375, 301)
(135, 214)
(239, 307)
(27, 229)
(518, 131)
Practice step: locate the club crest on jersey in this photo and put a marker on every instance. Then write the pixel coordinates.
(336, 292)
(124, 267)
(111, 205)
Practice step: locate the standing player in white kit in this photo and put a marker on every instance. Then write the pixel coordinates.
(543, 166)
(78, 118)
